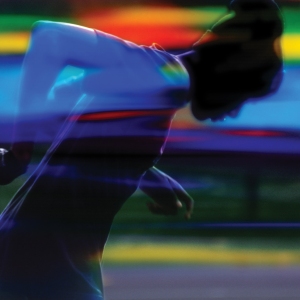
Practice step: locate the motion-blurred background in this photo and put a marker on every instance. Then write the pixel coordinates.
(243, 240)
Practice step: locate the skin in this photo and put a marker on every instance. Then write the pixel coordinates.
(79, 47)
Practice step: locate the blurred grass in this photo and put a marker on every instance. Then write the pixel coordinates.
(8, 191)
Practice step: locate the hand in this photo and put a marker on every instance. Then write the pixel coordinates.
(10, 167)
(167, 193)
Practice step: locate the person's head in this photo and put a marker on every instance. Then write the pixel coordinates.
(241, 60)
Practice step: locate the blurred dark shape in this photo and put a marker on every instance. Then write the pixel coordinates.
(65, 7)
(10, 167)
(239, 58)
(221, 2)
(35, 7)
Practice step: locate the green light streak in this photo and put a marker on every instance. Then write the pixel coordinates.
(291, 17)
(15, 23)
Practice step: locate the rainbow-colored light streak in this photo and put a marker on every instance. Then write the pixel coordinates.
(171, 27)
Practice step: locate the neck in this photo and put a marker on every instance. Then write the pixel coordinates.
(187, 58)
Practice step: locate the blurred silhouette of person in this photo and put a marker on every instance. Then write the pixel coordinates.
(110, 127)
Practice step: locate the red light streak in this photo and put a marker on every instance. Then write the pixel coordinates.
(115, 115)
(254, 133)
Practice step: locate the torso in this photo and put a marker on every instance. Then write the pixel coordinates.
(150, 86)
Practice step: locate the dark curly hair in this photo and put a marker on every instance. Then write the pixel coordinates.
(242, 59)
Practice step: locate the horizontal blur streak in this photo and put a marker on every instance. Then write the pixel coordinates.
(14, 43)
(262, 133)
(162, 16)
(179, 25)
(178, 37)
(172, 27)
(291, 47)
(113, 115)
(165, 253)
(17, 42)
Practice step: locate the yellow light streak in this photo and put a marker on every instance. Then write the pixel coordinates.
(291, 46)
(164, 253)
(13, 43)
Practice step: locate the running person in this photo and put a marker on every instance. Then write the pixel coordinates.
(55, 228)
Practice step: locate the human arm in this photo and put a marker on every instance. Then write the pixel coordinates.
(167, 194)
(14, 162)
(52, 47)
